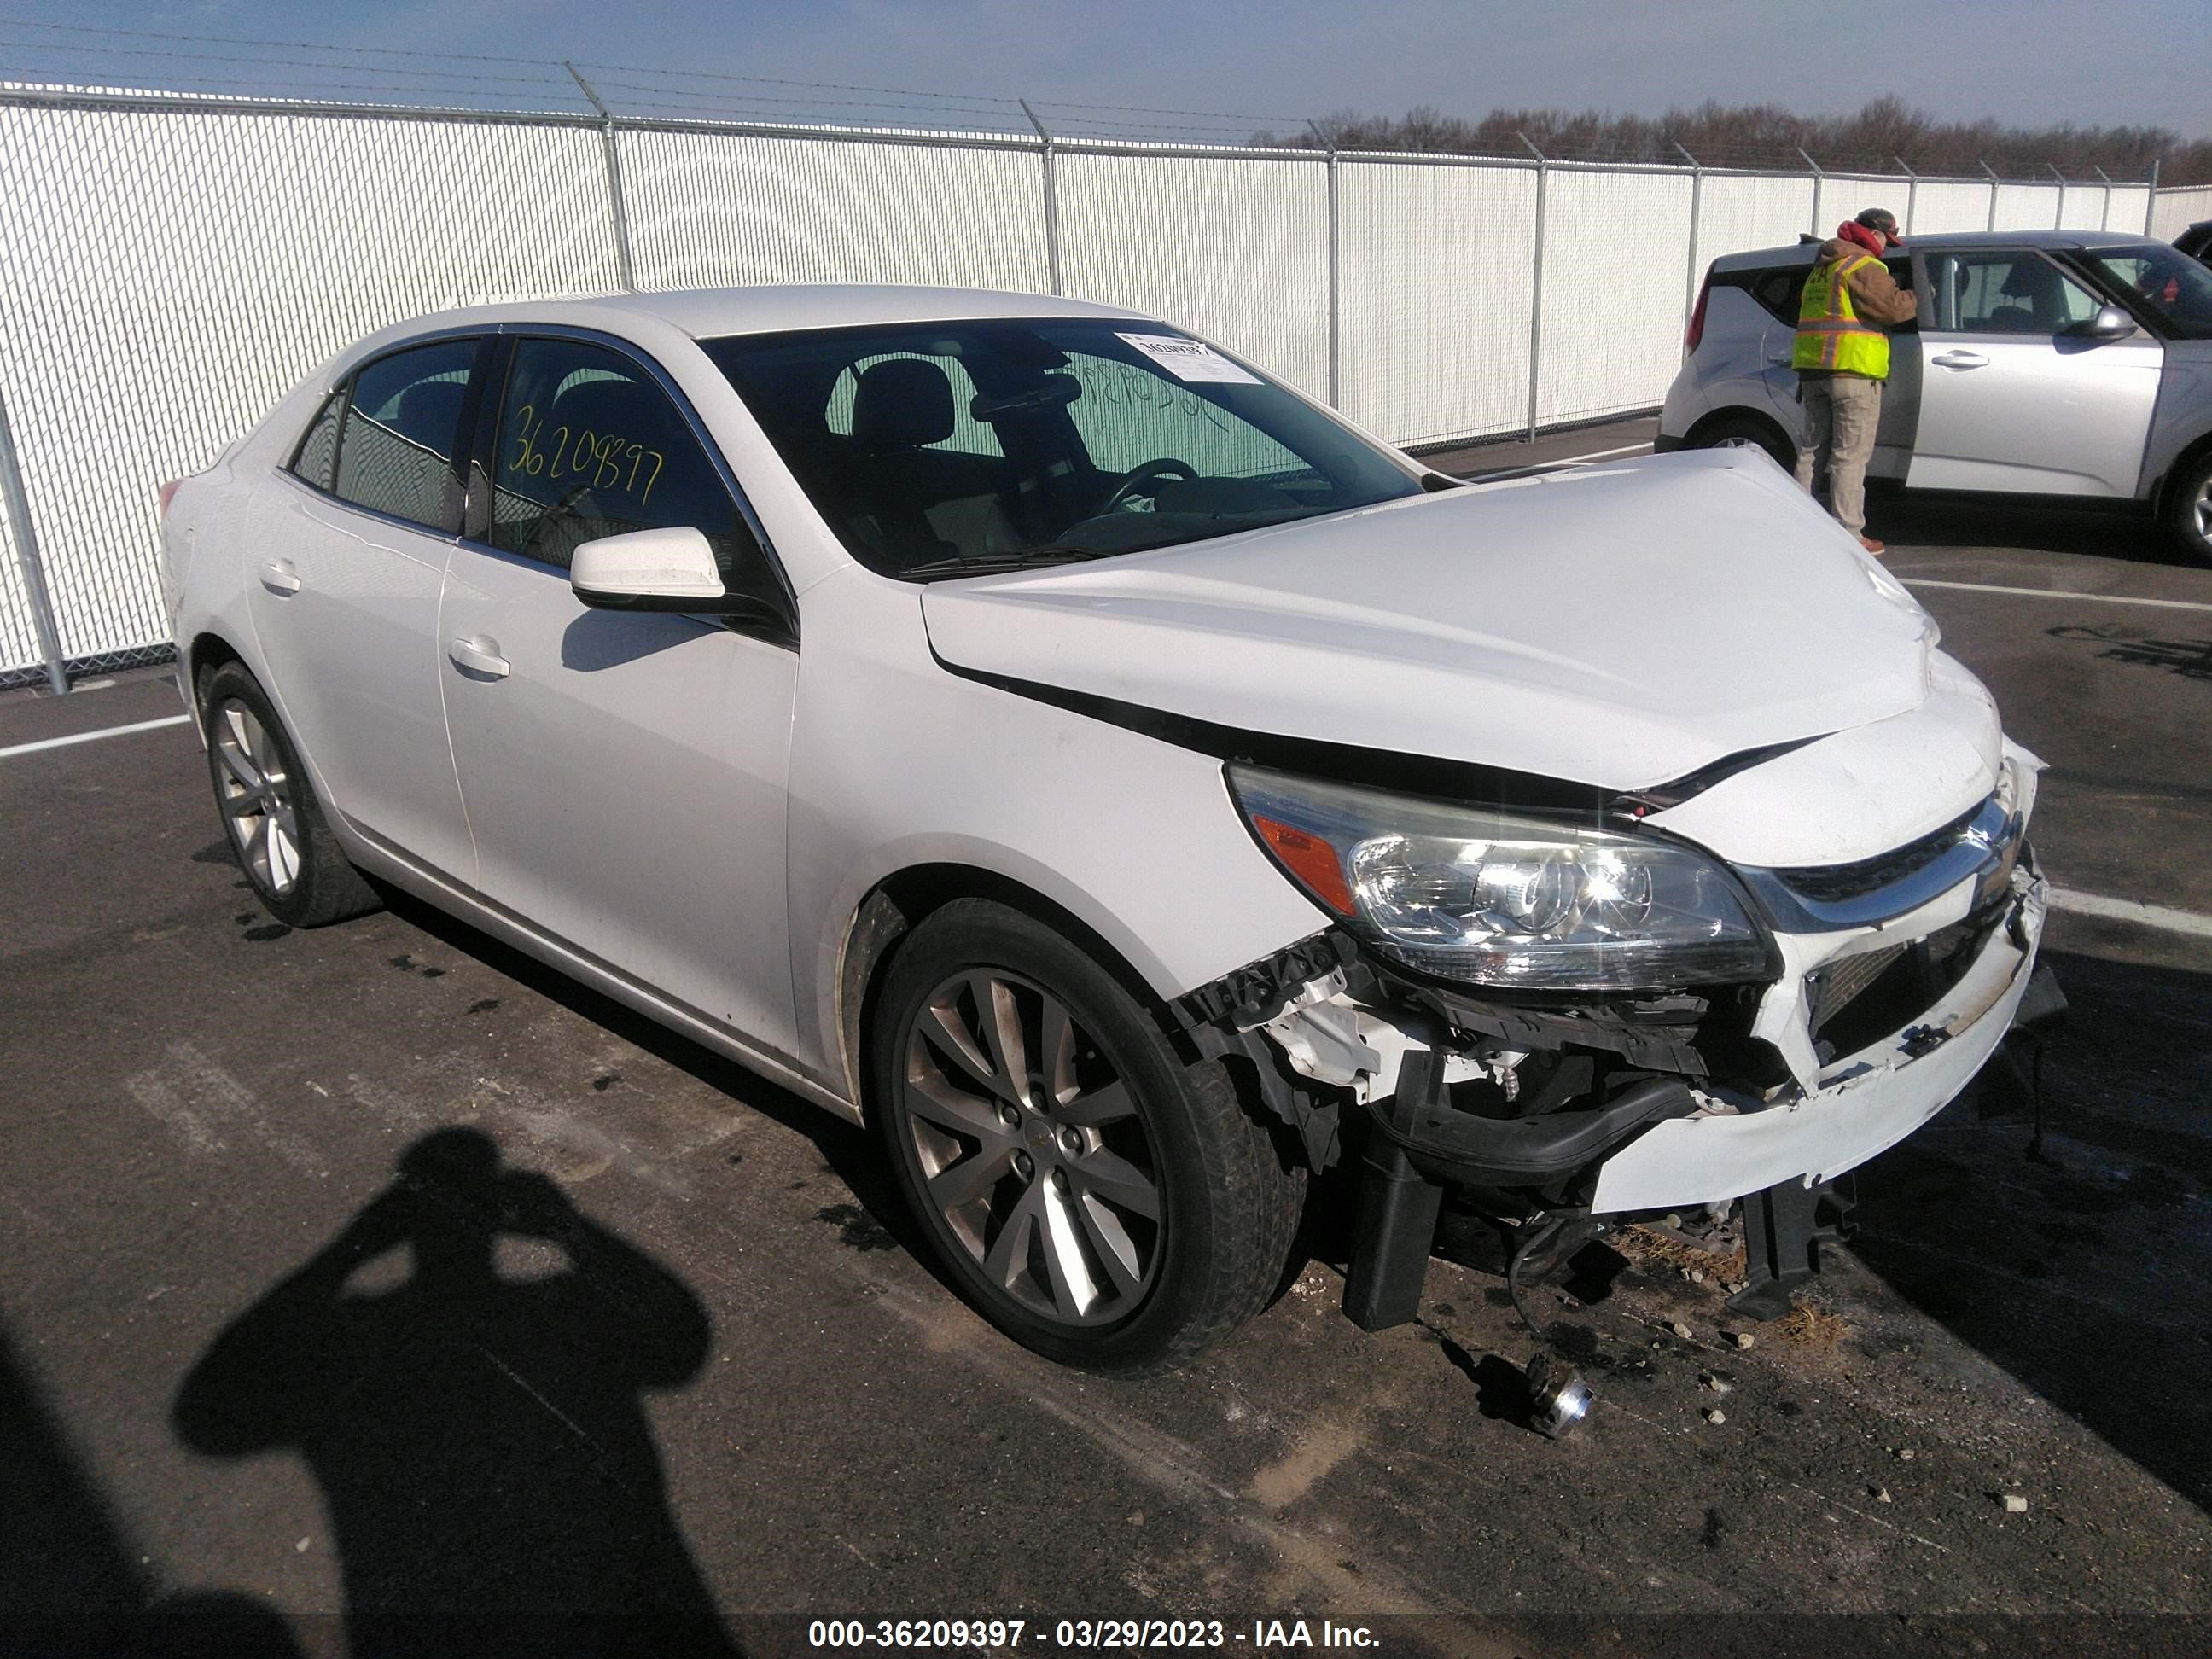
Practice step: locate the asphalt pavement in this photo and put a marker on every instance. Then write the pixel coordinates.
(734, 1391)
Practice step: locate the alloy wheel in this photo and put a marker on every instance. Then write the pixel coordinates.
(2201, 512)
(257, 798)
(1031, 1149)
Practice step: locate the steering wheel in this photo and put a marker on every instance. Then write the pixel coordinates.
(1150, 473)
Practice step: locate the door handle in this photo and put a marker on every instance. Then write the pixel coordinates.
(278, 576)
(478, 655)
(1960, 360)
(1782, 361)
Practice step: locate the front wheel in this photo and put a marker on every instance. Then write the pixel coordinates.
(1096, 1197)
(2188, 515)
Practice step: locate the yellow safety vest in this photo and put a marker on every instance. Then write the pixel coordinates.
(1830, 335)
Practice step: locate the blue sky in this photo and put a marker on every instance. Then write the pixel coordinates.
(2134, 62)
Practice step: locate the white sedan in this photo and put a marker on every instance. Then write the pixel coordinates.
(1022, 727)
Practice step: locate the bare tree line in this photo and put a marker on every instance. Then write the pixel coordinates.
(1768, 135)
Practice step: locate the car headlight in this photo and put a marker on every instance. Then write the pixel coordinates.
(1493, 898)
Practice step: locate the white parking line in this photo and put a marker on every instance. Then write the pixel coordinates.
(1536, 469)
(94, 736)
(1605, 454)
(2056, 594)
(2148, 916)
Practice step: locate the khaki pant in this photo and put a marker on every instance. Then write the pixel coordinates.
(1841, 413)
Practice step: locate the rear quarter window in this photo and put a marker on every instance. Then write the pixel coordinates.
(316, 460)
(1778, 291)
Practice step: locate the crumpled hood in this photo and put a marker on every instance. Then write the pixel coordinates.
(1616, 626)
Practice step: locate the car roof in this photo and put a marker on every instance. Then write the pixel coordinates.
(708, 313)
(2075, 240)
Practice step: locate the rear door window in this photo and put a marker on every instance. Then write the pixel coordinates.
(1781, 291)
(402, 430)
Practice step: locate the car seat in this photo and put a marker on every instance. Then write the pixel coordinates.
(2031, 290)
(900, 406)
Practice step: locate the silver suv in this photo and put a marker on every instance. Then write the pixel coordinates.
(2043, 364)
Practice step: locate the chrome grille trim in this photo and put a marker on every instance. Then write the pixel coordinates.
(1981, 847)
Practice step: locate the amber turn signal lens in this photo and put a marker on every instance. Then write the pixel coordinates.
(1311, 860)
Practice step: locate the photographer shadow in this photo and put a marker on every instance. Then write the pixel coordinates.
(481, 1441)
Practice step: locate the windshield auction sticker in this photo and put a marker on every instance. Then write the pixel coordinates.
(1189, 360)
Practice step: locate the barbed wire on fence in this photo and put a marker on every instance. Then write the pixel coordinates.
(81, 57)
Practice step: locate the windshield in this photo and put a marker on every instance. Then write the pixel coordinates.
(2168, 281)
(930, 448)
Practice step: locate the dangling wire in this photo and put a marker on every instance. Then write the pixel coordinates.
(1545, 1234)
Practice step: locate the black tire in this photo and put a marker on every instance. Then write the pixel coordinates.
(2189, 508)
(1227, 1197)
(1727, 431)
(316, 884)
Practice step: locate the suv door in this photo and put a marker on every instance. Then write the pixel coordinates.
(625, 771)
(2010, 400)
(344, 601)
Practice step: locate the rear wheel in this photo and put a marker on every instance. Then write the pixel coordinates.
(1093, 1195)
(2189, 512)
(275, 824)
(1746, 432)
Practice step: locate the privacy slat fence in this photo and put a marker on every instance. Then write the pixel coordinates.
(169, 266)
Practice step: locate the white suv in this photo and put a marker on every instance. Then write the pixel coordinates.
(1023, 726)
(2066, 363)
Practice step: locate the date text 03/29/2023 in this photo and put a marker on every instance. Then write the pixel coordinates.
(1006, 1634)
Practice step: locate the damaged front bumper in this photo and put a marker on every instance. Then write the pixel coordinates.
(1860, 1104)
(1669, 1102)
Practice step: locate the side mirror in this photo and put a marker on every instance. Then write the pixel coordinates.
(2111, 323)
(671, 568)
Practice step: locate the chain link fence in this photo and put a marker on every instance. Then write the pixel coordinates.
(169, 266)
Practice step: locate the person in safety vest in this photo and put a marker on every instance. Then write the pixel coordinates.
(1841, 354)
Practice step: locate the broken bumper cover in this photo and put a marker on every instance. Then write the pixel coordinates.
(1861, 1104)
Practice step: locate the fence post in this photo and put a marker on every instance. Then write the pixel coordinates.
(1911, 190)
(1697, 203)
(18, 507)
(1814, 225)
(2150, 206)
(611, 153)
(1991, 171)
(2058, 220)
(1335, 290)
(2105, 219)
(1536, 287)
(1051, 197)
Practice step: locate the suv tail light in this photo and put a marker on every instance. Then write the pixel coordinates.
(1696, 332)
(168, 493)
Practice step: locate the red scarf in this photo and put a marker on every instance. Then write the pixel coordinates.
(1852, 231)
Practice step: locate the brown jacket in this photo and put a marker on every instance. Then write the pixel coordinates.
(1875, 295)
